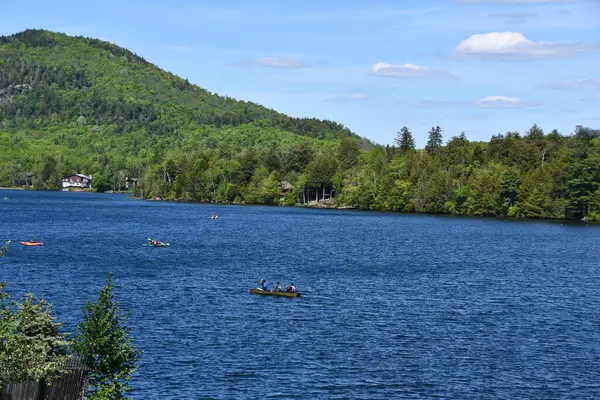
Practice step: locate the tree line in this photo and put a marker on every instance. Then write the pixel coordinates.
(534, 175)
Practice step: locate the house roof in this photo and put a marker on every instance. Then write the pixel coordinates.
(89, 177)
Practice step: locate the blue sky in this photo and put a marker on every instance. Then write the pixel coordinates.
(479, 66)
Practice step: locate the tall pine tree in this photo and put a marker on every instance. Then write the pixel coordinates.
(405, 140)
(434, 141)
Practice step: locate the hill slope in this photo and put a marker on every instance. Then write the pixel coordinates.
(78, 105)
(50, 77)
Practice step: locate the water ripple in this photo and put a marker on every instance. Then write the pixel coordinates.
(395, 306)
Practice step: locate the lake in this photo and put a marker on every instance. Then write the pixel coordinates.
(395, 305)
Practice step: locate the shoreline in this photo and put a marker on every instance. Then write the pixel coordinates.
(324, 206)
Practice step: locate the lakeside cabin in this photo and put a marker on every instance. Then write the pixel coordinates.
(80, 181)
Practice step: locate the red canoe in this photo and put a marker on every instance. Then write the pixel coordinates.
(32, 243)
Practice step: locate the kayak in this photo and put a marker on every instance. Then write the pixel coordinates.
(269, 293)
(162, 244)
(32, 243)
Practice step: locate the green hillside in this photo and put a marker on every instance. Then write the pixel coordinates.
(48, 77)
(74, 104)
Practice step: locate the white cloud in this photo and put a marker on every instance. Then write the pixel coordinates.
(349, 75)
(279, 62)
(283, 62)
(504, 102)
(513, 17)
(514, 46)
(408, 71)
(587, 83)
(353, 95)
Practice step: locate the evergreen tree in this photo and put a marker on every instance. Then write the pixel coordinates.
(404, 140)
(534, 133)
(104, 344)
(434, 140)
(581, 186)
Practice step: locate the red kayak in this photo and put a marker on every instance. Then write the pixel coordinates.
(32, 243)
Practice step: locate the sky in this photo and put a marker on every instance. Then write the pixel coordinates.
(481, 67)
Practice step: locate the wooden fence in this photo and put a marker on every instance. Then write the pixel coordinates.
(69, 386)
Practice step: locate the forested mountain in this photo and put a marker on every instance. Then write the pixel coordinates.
(77, 105)
(48, 77)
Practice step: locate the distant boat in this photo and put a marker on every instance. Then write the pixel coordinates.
(161, 244)
(214, 216)
(270, 293)
(32, 243)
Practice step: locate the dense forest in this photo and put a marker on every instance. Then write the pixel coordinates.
(78, 105)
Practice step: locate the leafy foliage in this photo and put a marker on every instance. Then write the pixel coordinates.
(31, 344)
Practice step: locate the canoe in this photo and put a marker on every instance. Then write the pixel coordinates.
(269, 293)
(156, 245)
(32, 243)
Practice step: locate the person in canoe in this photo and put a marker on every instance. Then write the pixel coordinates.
(277, 287)
(263, 284)
(291, 288)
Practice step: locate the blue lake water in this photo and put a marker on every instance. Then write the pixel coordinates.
(395, 306)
